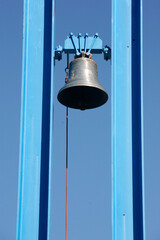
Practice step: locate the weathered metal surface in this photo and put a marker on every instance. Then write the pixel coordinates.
(82, 90)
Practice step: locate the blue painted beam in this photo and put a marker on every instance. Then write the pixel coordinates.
(36, 121)
(127, 121)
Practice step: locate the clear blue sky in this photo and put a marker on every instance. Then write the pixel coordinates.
(89, 206)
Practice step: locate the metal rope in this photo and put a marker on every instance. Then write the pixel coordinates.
(66, 165)
(66, 153)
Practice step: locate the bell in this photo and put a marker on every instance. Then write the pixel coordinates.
(82, 90)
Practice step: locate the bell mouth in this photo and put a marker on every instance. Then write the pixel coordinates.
(82, 97)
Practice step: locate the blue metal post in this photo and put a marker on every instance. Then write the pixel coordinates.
(36, 121)
(127, 121)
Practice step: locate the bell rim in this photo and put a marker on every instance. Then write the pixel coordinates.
(82, 84)
(64, 90)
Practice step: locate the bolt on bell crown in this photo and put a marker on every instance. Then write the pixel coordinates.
(82, 90)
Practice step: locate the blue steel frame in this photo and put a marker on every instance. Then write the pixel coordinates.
(33, 211)
(37, 121)
(128, 221)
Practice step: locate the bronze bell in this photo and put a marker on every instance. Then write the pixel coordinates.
(82, 90)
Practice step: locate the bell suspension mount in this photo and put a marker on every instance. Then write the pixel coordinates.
(86, 44)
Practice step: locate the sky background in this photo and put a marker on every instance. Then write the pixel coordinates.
(89, 203)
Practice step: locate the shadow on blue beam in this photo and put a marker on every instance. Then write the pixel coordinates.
(44, 177)
(137, 122)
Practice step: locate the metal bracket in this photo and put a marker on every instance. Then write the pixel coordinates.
(107, 53)
(86, 44)
(58, 53)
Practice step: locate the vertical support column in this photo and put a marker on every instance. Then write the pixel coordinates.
(36, 121)
(127, 124)
(122, 120)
